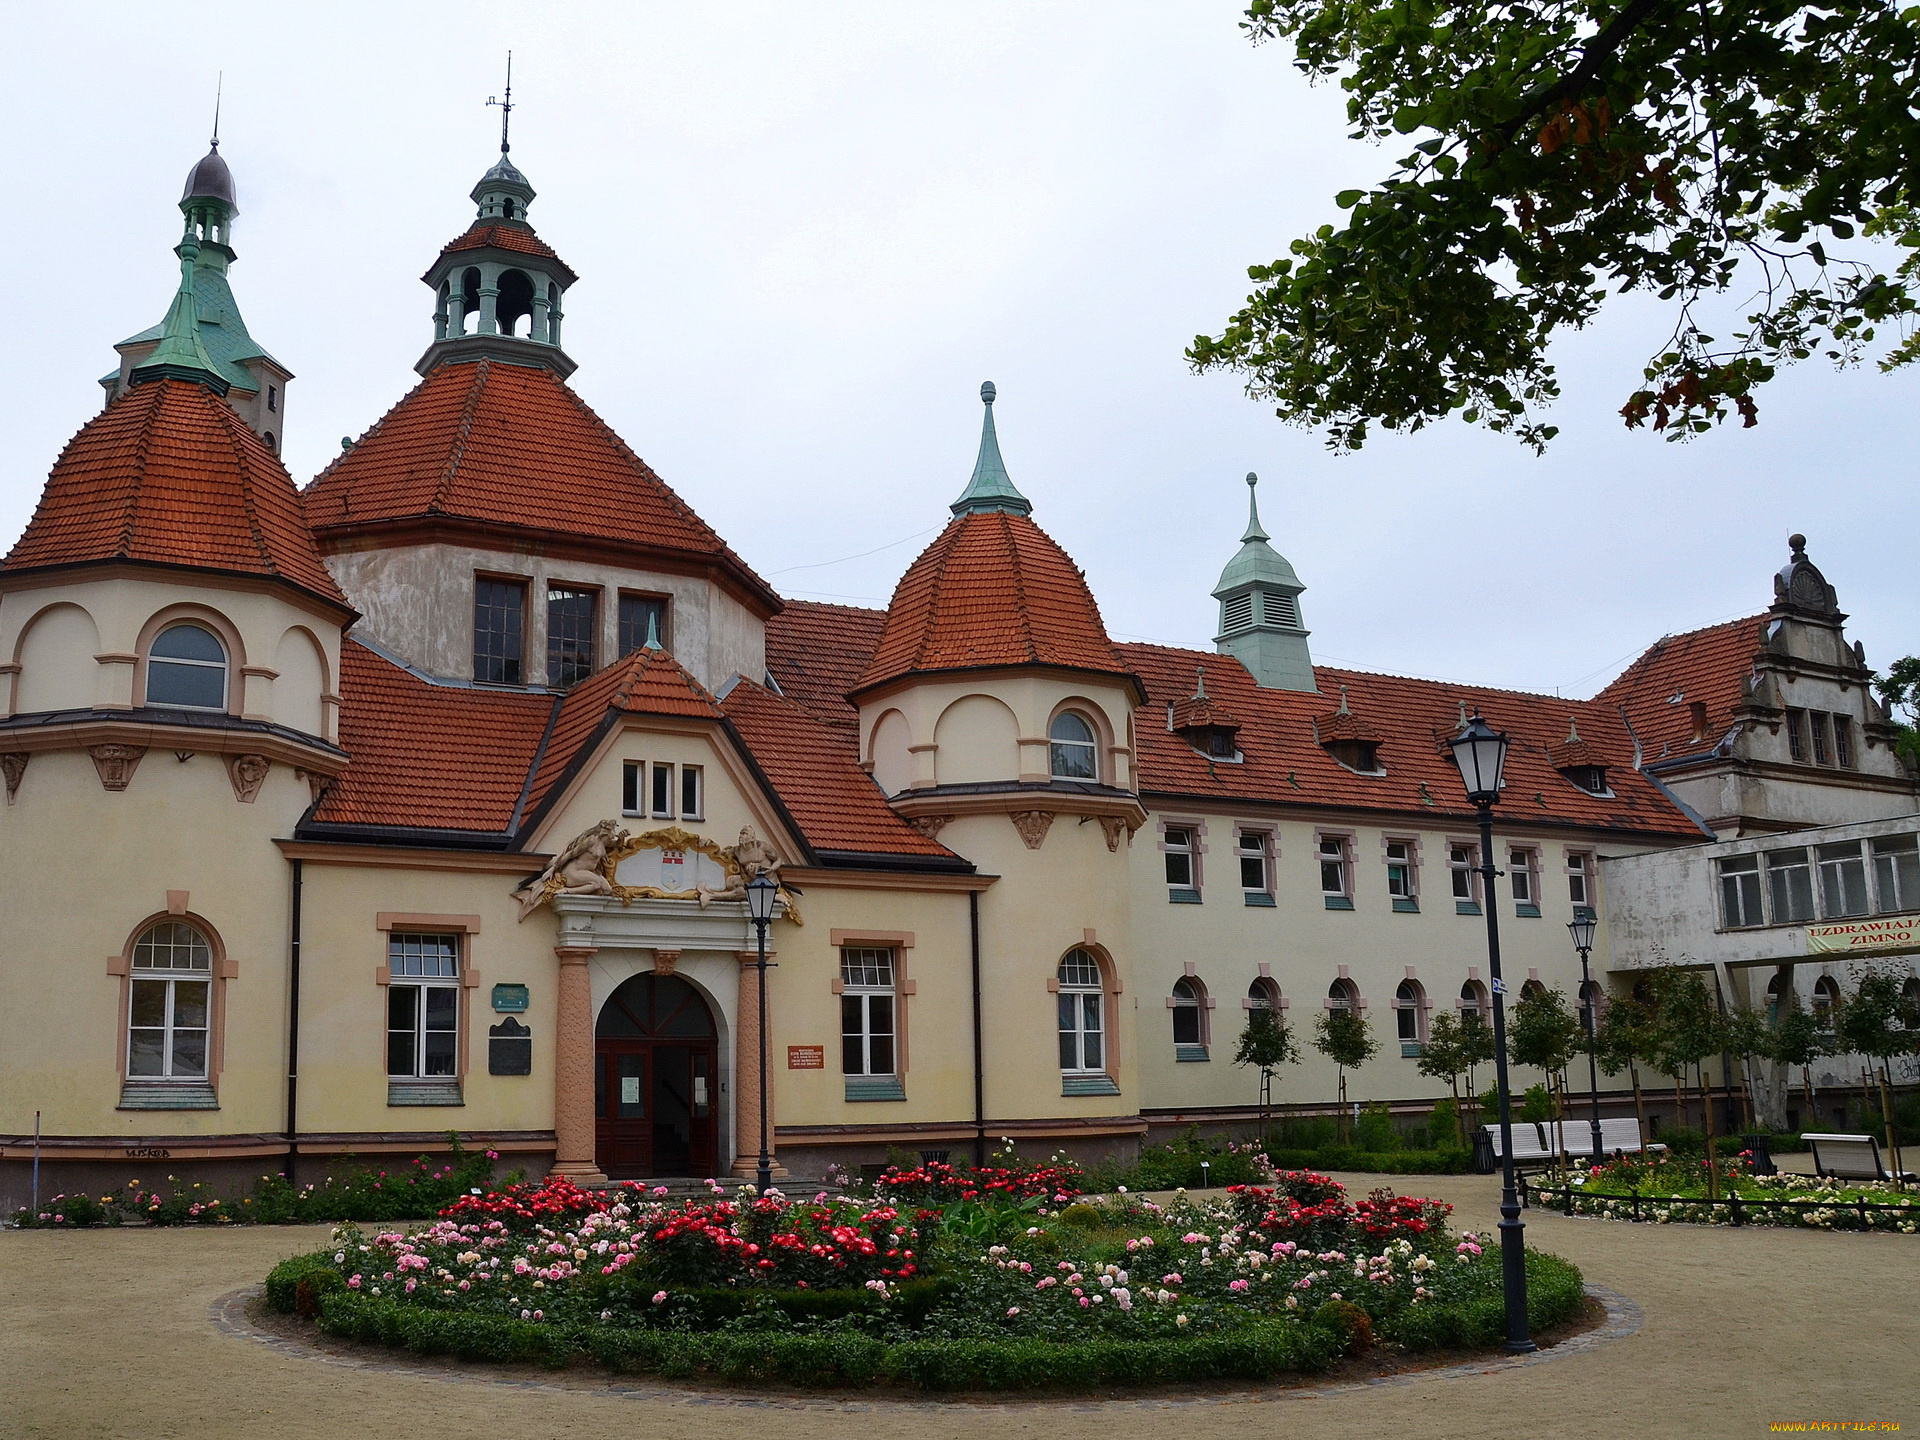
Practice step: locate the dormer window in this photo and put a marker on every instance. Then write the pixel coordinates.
(1360, 755)
(1581, 764)
(1349, 739)
(1590, 778)
(1203, 723)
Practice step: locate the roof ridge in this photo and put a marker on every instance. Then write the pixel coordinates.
(461, 433)
(227, 421)
(935, 590)
(1019, 582)
(131, 518)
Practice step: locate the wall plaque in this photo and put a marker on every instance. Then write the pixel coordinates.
(508, 998)
(806, 1057)
(510, 1048)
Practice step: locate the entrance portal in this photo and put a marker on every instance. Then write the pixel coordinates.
(656, 1063)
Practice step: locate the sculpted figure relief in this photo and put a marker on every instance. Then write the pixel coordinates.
(580, 869)
(755, 857)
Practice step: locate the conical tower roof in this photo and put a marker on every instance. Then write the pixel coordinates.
(991, 488)
(1257, 562)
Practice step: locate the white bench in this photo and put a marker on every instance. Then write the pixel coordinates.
(1617, 1137)
(1529, 1144)
(1848, 1157)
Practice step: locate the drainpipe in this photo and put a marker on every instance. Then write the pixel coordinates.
(293, 1023)
(979, 1067)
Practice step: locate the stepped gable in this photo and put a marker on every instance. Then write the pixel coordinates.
(1657, 692)
(426, 756)
(511, 447)
(818, 780)
(816, 653)
(992, 590)
(169, 474)
(495, 235)
(1410, 719)
(646, 682)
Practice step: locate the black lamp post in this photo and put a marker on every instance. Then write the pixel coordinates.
(761, 893)
(1481, 753)
(1581, 928)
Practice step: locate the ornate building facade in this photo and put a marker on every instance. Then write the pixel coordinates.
(429, 792)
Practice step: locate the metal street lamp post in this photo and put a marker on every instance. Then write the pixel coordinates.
(1481, 753)
(1581, 928)
(761, 894)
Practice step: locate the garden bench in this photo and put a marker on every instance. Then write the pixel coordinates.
(1617, 1137)
(1529, 1144)
(1849, 1157)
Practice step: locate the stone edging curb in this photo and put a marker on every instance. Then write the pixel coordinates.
(229, 1314)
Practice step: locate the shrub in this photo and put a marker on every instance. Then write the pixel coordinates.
(1375, 1131)
(1082, 1216)
(1347, 1320)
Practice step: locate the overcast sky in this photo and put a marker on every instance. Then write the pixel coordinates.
(805, 235)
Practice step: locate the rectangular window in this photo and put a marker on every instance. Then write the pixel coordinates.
(573, 618)
(867, 1028)
(1740, 892)
(692, 792)
(499, 630)
(1082, 1032)
(1896, 872)
(423, 1005)
(1789, 886)
(1843, 880)
(1400, 876)
(273, 398)
(167, 1029)
(1580, 881)
(630, 787)
(1520, 873)
(641, 615)
(1181, 870)
(1843, 742)
(1336, 879)
(662, 796)
(1797, 735)
(1822, 744)
(1462, 861)
(1256, 877)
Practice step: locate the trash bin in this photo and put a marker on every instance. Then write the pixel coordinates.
(1483, 1161)
(1762, 1148)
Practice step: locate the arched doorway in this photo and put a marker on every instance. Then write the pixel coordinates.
(656, 1063)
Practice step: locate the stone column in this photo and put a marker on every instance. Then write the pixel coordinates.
(573, 1118)
(489, 300)
(746, 1074)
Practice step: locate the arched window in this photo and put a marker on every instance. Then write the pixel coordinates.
(1343, 994)
(187, 668)
(515, 301)
(1264, 994)
(1592, 999)
(1074, 755)
(1083, 1027)
(1410, 1015)
(1826, 999)
(1473, 1003)
(1910, 993)
(1532, 989)
(1189, 1005)
(170, 1003)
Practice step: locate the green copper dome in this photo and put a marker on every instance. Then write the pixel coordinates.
(991, 488)
(1257, 563)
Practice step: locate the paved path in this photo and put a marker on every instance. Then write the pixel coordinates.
(109, 1334)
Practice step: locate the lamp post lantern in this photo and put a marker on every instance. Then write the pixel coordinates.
(1480, 752)
(1581, 928)
(761, 893)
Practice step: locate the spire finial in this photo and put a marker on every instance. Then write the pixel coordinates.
(1254, 532)
(506, 106)
(1343, 703)
(1573, 730)
(1200, 682)
(653, 631)
(991, 488)
(1464, 721)
(219, 84)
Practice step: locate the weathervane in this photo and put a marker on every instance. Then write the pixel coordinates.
(506, 106)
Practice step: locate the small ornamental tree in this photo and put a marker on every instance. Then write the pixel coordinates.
(1624, 1041)
(1476, 1049)
(1879, 1023)
(1344, 1037)
(1689, 1029)
(1797, 1041)
(1545, 1033)
(1445, 1058)
(1268, 1043)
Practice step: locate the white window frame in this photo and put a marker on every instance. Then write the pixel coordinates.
(1334, 848)
(423, 974)
(1408, 861)
(1188, 848)
(869, 974)
(1581, 879)
(1195, 999)
(199, 970)
(1830, 870)
(223, 665)
(1778, 863)
(1464, 874)
(1892, 895)
(1073, 1014)
(693, 792)
(1742, 892)
(1261, 852)
(1410, 1014)
(1057, 748)
(660, 790)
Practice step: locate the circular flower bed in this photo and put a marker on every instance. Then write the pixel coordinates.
(937, 1279)
(1664, 1190)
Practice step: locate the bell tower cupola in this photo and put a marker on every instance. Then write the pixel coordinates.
(498, 289)
(1259, 597)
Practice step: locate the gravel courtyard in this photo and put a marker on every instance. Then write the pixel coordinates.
(110, 1333)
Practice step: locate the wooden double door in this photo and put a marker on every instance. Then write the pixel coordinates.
(656, 1081)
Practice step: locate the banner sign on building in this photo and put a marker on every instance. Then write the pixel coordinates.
(1898, 932)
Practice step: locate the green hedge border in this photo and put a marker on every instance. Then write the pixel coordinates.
(1267, 1350)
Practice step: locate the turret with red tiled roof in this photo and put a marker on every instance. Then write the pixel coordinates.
(993, 590)
(170, 475)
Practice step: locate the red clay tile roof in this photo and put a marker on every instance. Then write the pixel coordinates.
(993, 589)
(1659, 689)
(512, 446)
(647, 682)
(1410, 719)
(170, 474)
(817, 776)
(499, 236)
(430, 756)
(817, 653)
